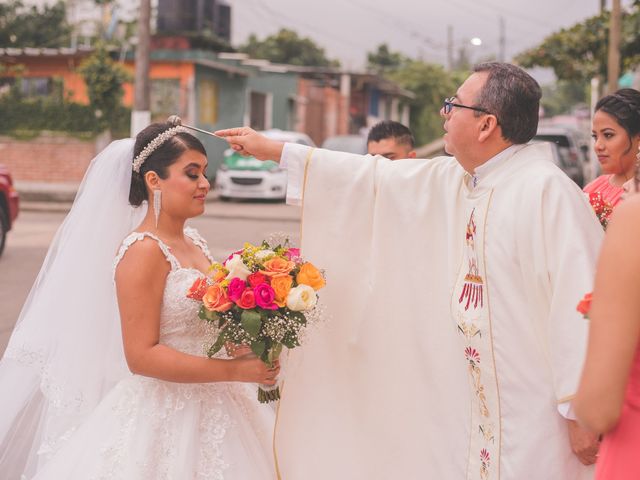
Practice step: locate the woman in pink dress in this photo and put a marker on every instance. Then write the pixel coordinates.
(608, 399)
(615, 146)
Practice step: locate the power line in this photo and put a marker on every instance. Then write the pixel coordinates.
(515, 14)
(278, 16)
(402, 23)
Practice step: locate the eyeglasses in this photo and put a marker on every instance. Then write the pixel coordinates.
(449, 104)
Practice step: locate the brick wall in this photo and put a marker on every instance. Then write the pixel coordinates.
(47, 158)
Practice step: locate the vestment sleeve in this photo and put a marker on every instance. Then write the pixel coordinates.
(294, 159)
(563, 237)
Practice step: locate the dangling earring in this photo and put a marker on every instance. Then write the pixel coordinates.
(157, 204)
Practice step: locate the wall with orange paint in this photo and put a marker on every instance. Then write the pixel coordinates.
(60, 67)
(184, 71)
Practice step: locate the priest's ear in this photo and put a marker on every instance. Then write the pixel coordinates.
(489, 127)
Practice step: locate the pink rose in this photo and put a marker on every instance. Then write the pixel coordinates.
(292, 254)
(265, 296)
(235, 288)
(247, 299)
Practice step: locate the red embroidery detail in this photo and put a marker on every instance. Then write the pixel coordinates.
(473, 286)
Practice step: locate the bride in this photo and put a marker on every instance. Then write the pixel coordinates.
(85, 396)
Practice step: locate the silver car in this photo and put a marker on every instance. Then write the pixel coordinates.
(573, 154)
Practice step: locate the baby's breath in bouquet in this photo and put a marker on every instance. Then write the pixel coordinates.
(261, 296)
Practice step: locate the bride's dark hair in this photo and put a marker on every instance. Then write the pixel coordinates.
(161, 158)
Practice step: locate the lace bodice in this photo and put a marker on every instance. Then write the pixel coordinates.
(180, 327)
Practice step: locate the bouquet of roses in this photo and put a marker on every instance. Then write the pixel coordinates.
(602, 208)
(261, 296)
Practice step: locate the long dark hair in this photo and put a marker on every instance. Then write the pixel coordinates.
(161, 158)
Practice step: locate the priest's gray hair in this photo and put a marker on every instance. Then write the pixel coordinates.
(513, 96)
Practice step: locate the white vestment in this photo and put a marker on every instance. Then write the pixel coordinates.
(451, 333)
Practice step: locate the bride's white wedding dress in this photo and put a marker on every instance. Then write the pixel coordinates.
(147, 428)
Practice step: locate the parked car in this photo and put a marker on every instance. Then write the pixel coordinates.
(9, 205)
(242, 177)
(574, 153)
(347, 143)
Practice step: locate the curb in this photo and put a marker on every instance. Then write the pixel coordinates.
(233, 213)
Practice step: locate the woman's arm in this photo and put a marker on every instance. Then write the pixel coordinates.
(615, 322)
(140, 282)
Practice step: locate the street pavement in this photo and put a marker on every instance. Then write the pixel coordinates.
(225, 225)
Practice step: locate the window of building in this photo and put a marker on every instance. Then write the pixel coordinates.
(36, 86)
(260, 110)
(165, 98)
(207, 102)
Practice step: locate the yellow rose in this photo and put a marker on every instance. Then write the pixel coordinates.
(310, 275)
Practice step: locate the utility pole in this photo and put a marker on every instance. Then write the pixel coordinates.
(141, 114)
(613, 66)
(450, 47)
(502, 41)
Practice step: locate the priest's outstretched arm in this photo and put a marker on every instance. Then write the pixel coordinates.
(293, 157)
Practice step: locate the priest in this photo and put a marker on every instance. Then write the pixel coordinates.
(451, 347)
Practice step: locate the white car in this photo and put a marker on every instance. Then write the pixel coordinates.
(247, 177)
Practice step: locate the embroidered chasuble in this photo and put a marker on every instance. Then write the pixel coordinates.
(450, 335)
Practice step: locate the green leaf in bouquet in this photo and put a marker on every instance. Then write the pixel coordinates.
(298, 317)
(290, 341)
(217, 346)
(251, 322)
(258, 347)
(208, 315)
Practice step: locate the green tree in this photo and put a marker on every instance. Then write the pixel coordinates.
(384, 60)
(579, 53)
(104, 79)
(431, 84)
(287, 47)
(33, 27)
(561, 97)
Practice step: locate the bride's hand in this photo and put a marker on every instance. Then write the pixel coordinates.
(247, 141)
(251, 369)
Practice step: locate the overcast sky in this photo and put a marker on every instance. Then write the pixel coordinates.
(347, 29)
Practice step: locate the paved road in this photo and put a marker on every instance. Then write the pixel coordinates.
(225, 226)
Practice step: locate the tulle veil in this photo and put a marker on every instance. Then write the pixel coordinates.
(66, 352)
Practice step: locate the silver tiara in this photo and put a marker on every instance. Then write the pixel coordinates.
(154, 145)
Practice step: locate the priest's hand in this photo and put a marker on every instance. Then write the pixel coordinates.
(247, 141)
(583, 443)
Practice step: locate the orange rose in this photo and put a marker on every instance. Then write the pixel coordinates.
(198, 289)
(277, 266)
(216, 299)
(281, 284)
(585, 305)
(310, 275)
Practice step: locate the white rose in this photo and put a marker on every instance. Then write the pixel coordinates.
(237, 268)
(262, 254)
(301, 298)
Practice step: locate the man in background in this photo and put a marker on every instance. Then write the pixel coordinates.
(392, 140)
